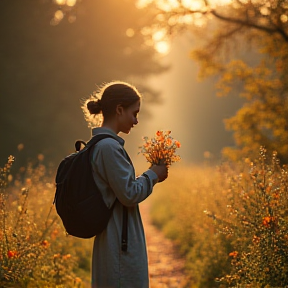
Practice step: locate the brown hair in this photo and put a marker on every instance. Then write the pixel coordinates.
(113, 94)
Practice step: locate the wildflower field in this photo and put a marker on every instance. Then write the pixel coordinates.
(228, 221)
(34, 249)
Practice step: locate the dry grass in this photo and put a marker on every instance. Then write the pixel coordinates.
(230, 222)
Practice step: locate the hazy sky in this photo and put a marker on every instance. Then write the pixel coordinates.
(190, 109)
(48, 69)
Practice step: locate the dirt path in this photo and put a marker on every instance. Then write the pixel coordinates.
(166, 268)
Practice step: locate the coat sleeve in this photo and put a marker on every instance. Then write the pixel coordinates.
(118, 172)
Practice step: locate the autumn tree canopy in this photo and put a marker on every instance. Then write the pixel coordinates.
(51, 57)
(245, 44)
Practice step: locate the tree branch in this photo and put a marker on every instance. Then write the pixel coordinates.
(266, 29)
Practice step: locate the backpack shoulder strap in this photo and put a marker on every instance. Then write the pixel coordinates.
(96, 139)
(78, 144)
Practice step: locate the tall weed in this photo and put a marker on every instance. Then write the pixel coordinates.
(33, 249)
(258, 224)
(230, 222)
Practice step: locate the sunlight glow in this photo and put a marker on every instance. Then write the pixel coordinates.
(143, 3)
(284, 18)
(159, 37)
(159, 41)
(69, 3)
(162, 47)
(60, 2)
(58, 16)
(221, 2)
(198, 20)
(130, 32)
(168, 5)
(264, 11)
(192, 5)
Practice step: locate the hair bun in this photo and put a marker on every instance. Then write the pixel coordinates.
(94, 107)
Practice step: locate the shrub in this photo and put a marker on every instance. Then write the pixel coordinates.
(30, 233)
(243, 241)
(258, 224)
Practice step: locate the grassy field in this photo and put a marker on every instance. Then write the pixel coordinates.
(34, 249)
(229, 222)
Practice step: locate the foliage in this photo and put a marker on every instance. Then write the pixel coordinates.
(260, 80)
(243, 241)
(258, 224)
(267, 16)
(32, 249)
(224, 19)
(233, 30)
(263, 118)
(65, 62)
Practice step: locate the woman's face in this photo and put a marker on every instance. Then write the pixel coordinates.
(128, 118)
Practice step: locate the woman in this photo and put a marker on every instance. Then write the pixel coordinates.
(120, 261)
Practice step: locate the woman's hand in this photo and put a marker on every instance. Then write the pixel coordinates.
(161, 170)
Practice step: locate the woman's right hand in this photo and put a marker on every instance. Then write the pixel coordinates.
(161, 170)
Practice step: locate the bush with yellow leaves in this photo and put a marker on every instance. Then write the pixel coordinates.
(30, 232)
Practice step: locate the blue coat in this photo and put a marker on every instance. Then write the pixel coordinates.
(115, 176)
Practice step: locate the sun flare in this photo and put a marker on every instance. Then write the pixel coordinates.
(69, 3)
(159, 39)
(170, 4)
(162, 47)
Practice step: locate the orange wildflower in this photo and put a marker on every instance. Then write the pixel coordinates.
(12, 254)
(160, 139)
(268, 220)
(276, 195)
(67, 256)
(178, 144)
(233, 254)
(158, 133)
(45, 243)
(77, 280)
(54, 234)
(169, 142)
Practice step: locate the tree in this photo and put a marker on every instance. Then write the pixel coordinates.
(263, 118)
(46, 69)
(230, 30)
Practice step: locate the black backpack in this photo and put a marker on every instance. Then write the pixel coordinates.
(78, 201)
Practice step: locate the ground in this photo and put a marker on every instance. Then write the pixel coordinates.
(166, 267)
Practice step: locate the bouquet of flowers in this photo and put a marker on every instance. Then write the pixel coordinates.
(160, 149)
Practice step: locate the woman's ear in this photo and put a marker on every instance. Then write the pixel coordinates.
(119, 109)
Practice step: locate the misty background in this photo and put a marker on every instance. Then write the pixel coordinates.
(46, 70)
